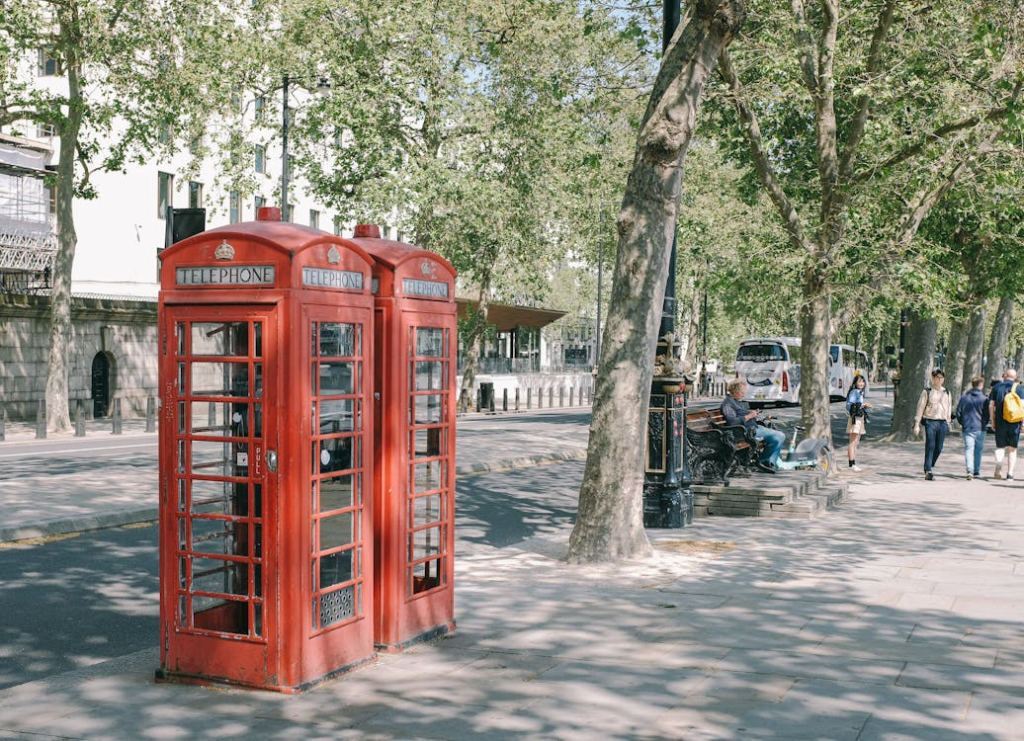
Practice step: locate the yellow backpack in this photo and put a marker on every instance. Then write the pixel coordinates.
(1013, 407)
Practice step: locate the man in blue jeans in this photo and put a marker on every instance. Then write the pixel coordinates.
(972, 413)
(738, 412)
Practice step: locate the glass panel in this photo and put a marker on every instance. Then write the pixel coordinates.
(180, 334)
(220, 577)
(427, 409)
(335, 569)
(182, 379)
(429, 342)
(334, 454)
(257, 329)
(336, 378)
(257, 500)
(181, 456)
(220, 379)
(426, 575)
(429, 443)
(336, 416)
(218, 338)
(425, 510)
(338, 340)
(258, 373)
(336, 531)
(429, 375)
(211, 458)
(257, 610)
(213, 536)
(427, 476)
(209, 418)
(211, 497)
(182, 494)
(335, 493)
(183, 573)
(425, 543)
(181, 418)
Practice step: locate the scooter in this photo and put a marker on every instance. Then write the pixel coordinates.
(809, 453)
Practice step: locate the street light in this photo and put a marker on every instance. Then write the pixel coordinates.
(322, 85)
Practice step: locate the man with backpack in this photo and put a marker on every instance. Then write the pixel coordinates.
(1006, 413)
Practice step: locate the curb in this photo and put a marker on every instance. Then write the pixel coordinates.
(118, 518)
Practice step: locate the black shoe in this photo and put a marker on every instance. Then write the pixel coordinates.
(928, 476)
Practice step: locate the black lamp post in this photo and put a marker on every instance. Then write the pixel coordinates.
(668, 499)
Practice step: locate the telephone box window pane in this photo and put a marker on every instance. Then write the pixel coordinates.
(257, 500)
(336, 416)
(336, 378)
(429, 375)
(258, 375)
(219, 576)
(213, 536)
(337, 606)
(257, 342)
(335, 569)
(181, 418)
(426, 576)
(427, 409)
(429, 443)
(220, 379)
(338, 340)
(219, 338)
(335, 454)
(182, 495)
(211, 458)
(429, 342)
(336, 531)
(211, 497)
(179, 333)
(425, 543)
(335, 493)
(210, 419)
(425, 510)
(182, 378)
(427, 476)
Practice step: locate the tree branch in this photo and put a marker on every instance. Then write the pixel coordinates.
(750, 125)
(808, 64)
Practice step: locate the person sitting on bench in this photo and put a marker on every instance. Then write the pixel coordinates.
(738, 412)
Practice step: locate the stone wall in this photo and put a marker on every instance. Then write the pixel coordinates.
(124, 331)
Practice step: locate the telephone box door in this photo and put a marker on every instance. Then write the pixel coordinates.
(218, 431)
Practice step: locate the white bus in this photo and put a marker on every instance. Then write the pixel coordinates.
(771, 368)
(846, 364)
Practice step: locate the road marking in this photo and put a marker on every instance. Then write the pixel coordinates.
(32, 454)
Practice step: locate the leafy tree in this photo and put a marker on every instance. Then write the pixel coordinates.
(609, 522)
(133, 71)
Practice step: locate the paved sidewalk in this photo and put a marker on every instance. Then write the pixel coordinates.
(896, 616)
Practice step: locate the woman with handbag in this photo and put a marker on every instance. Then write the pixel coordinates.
(856, 418)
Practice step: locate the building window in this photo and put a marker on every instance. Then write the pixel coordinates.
(45, 131)
(314, 218)
(163, 134)
(195, 144)
(261, 158)
(259, 105)
(261, 202)
(195, 195)
(233, 207)
(49, 64)
(337, 226)
(164, 193)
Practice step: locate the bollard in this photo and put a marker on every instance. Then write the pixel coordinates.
(79, 419)
(491, 405)
(151, 414)
(561, 396)
(529, 397)
(551, 398)
(572, 396)
(3, 432)
(41, 420)
(540, 398)
(517, 398)
(117, 418)
(504, 400)
(479, 397)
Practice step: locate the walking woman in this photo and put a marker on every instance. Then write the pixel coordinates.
(934, 410)
(856, 418)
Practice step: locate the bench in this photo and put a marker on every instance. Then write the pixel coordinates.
(714, 450)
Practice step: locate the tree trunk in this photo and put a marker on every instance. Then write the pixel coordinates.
(473, 350)
(609, 522)
(998, 345)
(975, 345)
(1018, 361)
(58, 418)
(915, 376)
(814, 339)
(955, 353)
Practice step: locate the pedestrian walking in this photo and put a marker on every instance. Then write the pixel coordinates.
(856, 418)
(1007, 433)
(934, 411)
(972, 414)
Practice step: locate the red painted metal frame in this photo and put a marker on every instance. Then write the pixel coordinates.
(293, 650)
(408, 611)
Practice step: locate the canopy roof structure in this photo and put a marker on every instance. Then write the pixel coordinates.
(506, 317)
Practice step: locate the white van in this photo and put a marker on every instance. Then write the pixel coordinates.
(846, 363)
(771, 368)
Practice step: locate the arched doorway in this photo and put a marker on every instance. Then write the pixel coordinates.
(100, 385)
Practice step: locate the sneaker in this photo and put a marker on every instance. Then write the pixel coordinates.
(928, 476)
(856, 468)
(977, 474)
(970, 476)
(998, 474)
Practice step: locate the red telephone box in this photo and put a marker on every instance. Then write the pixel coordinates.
(266, 443)
(414, 475)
